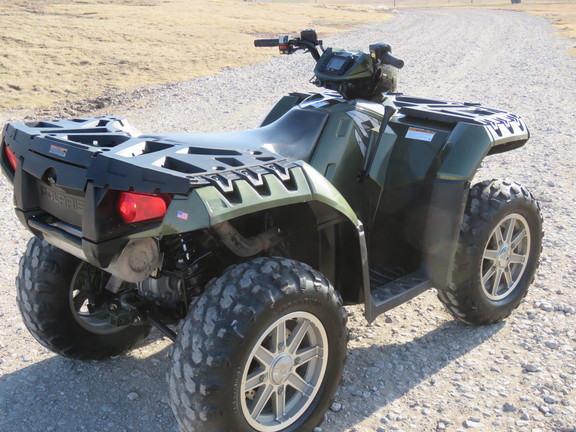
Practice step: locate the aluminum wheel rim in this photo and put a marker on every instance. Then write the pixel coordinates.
(505, 257)
(96, 321)
(284, 372)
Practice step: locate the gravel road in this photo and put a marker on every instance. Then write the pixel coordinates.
(414, 369)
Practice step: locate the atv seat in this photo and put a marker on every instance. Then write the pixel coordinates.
(294, 136)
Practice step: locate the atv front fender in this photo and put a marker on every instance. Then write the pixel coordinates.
(468, 144)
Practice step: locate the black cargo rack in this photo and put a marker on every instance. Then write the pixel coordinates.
(507, 130)
(108, 148)
(452, 112)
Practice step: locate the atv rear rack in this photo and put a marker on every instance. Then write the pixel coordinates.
(108, 147)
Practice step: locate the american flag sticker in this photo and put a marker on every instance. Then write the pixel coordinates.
(182, 215)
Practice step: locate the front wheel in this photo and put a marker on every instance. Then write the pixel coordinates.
(497, 255)
(262, 350)
(63, 304)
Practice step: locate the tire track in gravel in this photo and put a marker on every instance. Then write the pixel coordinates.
(414, 369)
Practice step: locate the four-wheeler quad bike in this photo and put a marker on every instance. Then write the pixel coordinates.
(253, 241)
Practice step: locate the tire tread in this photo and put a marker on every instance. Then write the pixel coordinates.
(485, 200)
(41, 278)
(231, 303)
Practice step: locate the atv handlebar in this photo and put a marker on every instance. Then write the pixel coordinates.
(266, 43)
(308, 40)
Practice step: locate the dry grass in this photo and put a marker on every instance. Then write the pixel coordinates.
(54, 51)
(59, 50)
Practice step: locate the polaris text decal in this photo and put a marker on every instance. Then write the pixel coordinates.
(60, 198)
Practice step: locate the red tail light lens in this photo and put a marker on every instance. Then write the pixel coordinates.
(12, 159)
(135, 207)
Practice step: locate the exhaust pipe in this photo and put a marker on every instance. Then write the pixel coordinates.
(246, 247)
(137, 261)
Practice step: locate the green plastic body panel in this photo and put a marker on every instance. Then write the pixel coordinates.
(360, 67)
(285, 104)
(208, 206)
(469, 144)
(412, 201)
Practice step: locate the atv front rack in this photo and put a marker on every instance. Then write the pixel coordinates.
(507, 130)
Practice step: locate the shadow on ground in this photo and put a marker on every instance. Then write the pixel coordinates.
(377, 375)
(124, 393)
(97, 396)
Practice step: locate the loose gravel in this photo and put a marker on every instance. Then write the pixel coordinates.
(415, 368)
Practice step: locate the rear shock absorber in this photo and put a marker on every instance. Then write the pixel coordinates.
(186, 259)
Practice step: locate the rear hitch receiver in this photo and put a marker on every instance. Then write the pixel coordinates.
(131, 309)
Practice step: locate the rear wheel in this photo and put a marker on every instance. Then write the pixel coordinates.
(498, 253)
(262, 350)
(63, 304)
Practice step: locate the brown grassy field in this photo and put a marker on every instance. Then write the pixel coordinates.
(54, 51)
(57, 50)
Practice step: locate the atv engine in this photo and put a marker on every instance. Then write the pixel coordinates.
(165, 291)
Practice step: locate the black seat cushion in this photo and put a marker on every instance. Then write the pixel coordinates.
(294, 135)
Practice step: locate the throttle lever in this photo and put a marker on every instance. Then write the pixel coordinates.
(382, 53)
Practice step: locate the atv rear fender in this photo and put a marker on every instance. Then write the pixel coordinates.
(325, 231)
(208, 206)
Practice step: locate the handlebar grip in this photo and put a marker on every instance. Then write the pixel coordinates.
(266, 43)
(389, 59)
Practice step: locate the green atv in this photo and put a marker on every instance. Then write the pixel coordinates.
(252, 242)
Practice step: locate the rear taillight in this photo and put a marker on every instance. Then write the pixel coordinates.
(134, 207)
(12, 159)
